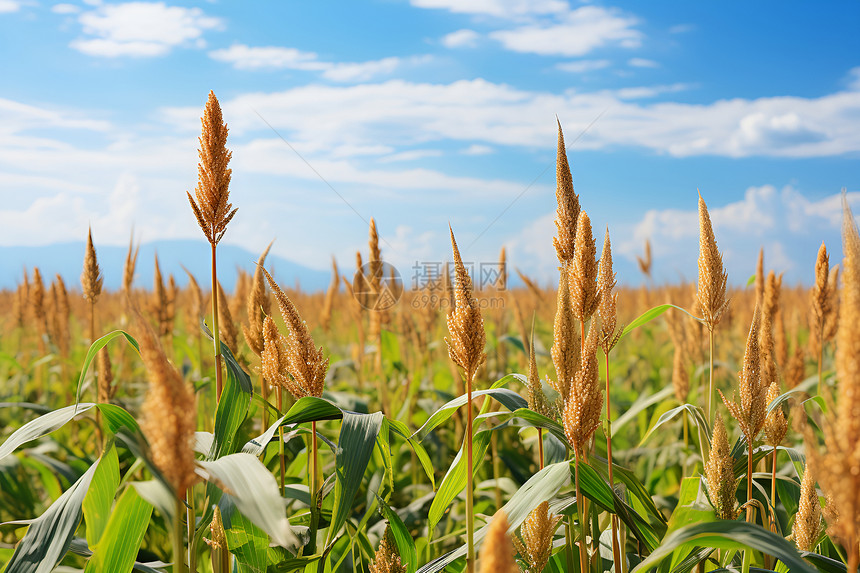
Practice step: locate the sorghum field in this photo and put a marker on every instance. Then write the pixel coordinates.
(584, 427)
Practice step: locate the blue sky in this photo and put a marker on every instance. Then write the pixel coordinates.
(424, 112)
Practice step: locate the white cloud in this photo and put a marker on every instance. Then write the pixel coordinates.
(476, 149)
(576, 33)
(245, 57)
(682, 28)
(65, 9)
(642, 63)
(582, 66)
(498, 8)
(361, 71)
(411, 155)
(9, 6)
(464, 38)
(785, 222)
(397, 113)
(141, 29)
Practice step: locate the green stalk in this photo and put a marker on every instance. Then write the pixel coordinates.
(219, 384)
(580, 502)
(540, 447)
(281, 440)
(176, 534)
(820, 355)
(711, 376)
(750, 509)
(616, 552)
(470, 510)
(189, 516)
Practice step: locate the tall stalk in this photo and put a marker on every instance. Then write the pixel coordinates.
(580, 502)
(177, 539)
(216, 338)
(710, 375)
(470, 510)
(616, 550)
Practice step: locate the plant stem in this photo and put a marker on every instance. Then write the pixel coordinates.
(686, 442)
(470, 511)
(616, 552)
(176, 533)
(750, 508)
(540, 448)
(773, 482)
(219, 384)
(568, 535)
(820, 354)
(711, 376)
(580, 502)
(494, 450)
(189, 516)
(281, 440)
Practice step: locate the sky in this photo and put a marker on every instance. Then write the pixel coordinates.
(422, 113)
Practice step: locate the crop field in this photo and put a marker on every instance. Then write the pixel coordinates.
(464, 425)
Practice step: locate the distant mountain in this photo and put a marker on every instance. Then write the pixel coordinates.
(67, 259)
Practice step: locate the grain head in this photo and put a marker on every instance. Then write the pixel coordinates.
(606, 309)
(387, 559)
(91, 278)
(775, 424)
(720, 473)
(212, 207)
(583, 407)
(566, 343)
(584, 295)
(465, 323)
(750, 398)
(807, 521)
(259, 306)
(497, 553)
(537, 533)
(712, 276)
(567, 212)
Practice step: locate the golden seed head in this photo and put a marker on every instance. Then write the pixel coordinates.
(305, 362)
(566, 343)
(775, 424)
(60, 313)
(259, 306)
(37, 301)
(497, 553)
(169, 412)
(837, 468)
(130, 265)
(795, 370)
(330, 294)
(750, 399)
(502, 281)
(645, 261)
(465, 323)
(821, 297)
(567, 212)
(583, 407)
(212, 207)
(807, 522)
(91, 278)
(759, 279)
(606, 309)
(712, 277)
(387, 559)
(219, 536)
(537, 532)
(226, 327)
(106, 387)
(584, 295)
(720, 473)
(537, 399)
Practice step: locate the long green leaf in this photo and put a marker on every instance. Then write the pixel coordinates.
(94, 350)
(651, 314)
(355, 446)
(255, 493)
(48, 538)
(402, 538)
(539, 488)
(41, 426)
(639, 405)
(737, 535)
(245, 540)
(232, 407)
(118, 547)
(510, 399)
(455, 479)
(99, 498)
(695, 414)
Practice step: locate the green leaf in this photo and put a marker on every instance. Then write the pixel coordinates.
(539, 488)
(255, 493)
(157, 494)
(695, 414)
(99, 498)
(355, 446)
(737, 535)
(117, 417)
(510, 399)
(400, 428)
(455, 480)
(232, 407)
(48, 538)
(118, 547)
(402, 538)
(94, 350)
(651, 314)
(642, 403)
(41, 426)
(245, 540)
(311, 409)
